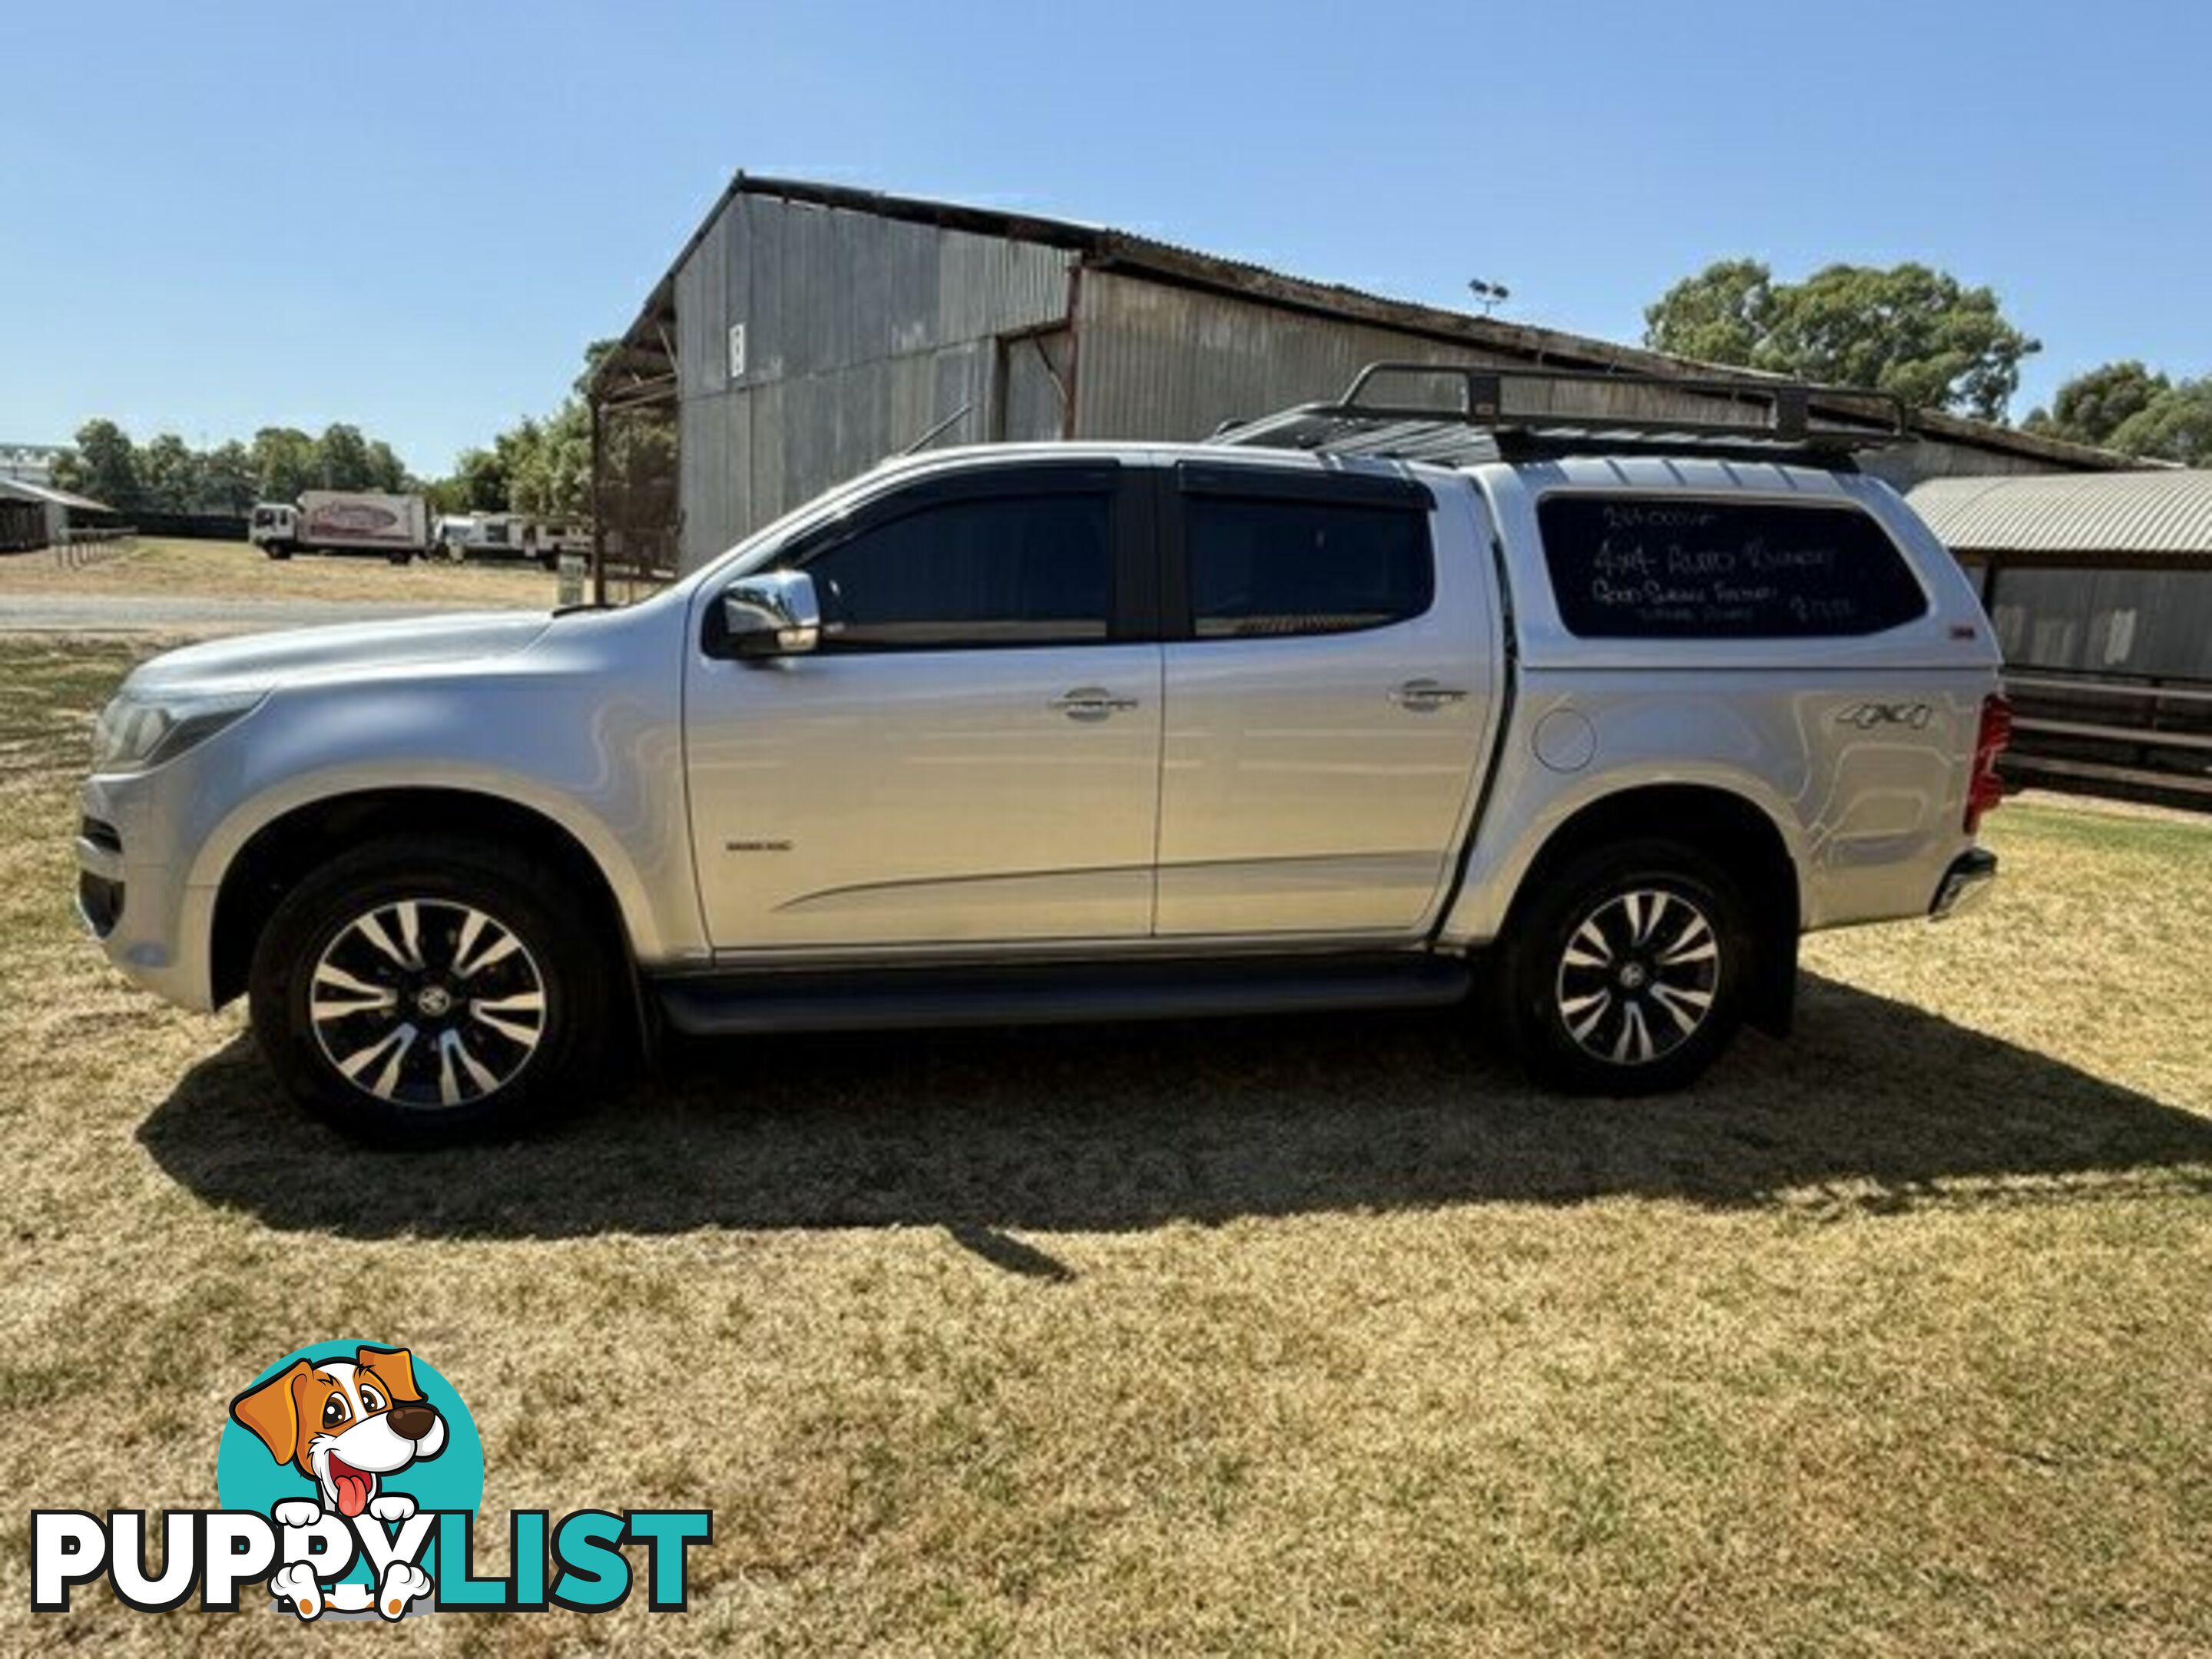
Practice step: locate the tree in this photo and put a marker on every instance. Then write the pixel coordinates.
(69, 472)
(2093, 406)
(2174, 426)
(479, 484)
(2135, 409)
(385, 471)
(342, 457)
(1909, 330)
(169, 473)
(228, 479)
(552, 475)
(1721, 315)
(284, 463)
(104, 466)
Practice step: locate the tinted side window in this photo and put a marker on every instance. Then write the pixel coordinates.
(1003, 570)
(1269, 568)
(1625, 567)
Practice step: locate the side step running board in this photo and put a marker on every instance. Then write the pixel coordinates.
(911, 999)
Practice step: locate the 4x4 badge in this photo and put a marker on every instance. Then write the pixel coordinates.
(1867, 715)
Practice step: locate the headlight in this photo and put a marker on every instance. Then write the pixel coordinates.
(133, 735)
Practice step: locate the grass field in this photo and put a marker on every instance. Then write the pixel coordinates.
(1314, 1336)
(235, 571)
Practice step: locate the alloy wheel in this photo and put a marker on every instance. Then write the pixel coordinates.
(1639, 977)
(427, 1002)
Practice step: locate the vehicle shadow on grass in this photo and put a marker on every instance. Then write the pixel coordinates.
(1873, 1105)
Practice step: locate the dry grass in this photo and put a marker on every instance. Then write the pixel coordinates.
(1321, 1336)
(224, 570)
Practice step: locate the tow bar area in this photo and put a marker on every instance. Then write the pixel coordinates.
(1965, 885)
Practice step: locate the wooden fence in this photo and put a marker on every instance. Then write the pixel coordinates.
(2145, 739)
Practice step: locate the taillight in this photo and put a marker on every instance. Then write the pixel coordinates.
(1984, 789)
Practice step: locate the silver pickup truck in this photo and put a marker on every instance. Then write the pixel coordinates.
(1360, 705)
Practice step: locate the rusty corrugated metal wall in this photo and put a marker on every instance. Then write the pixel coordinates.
(861, 333)
(1155, 361)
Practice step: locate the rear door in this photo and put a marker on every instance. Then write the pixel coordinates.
(972, 755)
(1330, 687)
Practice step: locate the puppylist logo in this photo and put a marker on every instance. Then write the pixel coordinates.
(349, 1479)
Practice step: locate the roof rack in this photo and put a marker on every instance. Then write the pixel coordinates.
(1484, 424)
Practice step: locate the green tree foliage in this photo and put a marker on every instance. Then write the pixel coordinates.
(542, 467)
(552, 481)
(342, 459)
(386, 469)
(283, 463)
(1721, 315)
(2176, 426)
(169, 474)
(228, 482)
(2090, 407)
(2128, 407)
(479, 484)
(1909, 330)
(103, 465)
(70, 473)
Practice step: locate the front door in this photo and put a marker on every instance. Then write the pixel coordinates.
(971, 755)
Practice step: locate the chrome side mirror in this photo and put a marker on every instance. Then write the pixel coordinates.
(771, 613)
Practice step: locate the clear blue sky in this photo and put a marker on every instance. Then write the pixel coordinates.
(412, 217)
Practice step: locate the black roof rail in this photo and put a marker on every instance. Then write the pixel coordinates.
(1488, 421)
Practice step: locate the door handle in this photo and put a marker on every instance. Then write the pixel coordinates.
(1425, 696)
(1091, 703)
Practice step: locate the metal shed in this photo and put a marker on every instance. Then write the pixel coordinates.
(806, 330)
(2101, 589)
(38, 515)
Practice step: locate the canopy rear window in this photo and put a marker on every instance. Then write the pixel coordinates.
(1670, 567)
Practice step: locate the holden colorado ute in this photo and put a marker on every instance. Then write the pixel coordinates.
(1358, 705)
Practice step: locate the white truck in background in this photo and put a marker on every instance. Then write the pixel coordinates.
(472, 537)
(344, 521)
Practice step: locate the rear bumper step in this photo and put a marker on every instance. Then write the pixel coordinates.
(908, 999)
(1965, 885)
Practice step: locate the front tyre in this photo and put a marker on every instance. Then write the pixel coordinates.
(423, 990)
(1628, 974)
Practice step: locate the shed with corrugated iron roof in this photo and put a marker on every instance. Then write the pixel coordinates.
(2101, 589)
(806, 330)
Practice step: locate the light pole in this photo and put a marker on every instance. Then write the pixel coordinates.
(1489, 295)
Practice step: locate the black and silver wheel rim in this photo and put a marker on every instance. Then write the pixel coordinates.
(1639, 977)
(427, 1002)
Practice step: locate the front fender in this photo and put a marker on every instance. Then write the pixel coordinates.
(658, 931)
(584, 729)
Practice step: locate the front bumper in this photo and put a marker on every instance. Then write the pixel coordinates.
(1965, 885)
(129, 896)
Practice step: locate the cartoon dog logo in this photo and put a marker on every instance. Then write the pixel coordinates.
(346, 1424)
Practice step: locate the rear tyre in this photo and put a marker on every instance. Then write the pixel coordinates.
(1629, 971)
(423, 990)
(402, 556)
